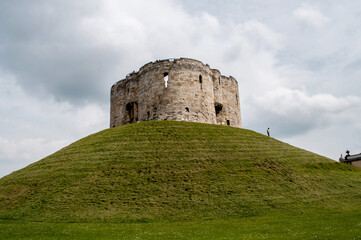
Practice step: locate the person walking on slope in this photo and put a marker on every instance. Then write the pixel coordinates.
(268, 131)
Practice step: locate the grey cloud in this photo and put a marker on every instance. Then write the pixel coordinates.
(354, 65)
(45, 46)
(293, 112)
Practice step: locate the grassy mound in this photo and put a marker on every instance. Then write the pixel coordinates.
(166, 170)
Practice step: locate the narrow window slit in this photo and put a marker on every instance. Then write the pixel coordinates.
(200, 80)
(166, 79)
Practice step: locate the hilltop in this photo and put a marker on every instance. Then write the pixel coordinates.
(167, 170)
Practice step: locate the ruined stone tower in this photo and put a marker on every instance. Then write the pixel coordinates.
(176, 89)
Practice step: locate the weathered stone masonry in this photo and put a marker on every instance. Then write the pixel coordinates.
(180, 89)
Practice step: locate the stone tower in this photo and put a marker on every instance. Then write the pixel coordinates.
(176, 89)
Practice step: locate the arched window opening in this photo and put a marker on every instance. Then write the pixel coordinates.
(132, 112)
(200, 80)
(218, 108)
(165, 79)
(187, 109)
(228, 122)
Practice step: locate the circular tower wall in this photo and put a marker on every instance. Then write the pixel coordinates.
(180, 89)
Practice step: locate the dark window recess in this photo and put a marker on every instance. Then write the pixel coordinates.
(128, 90)
(219, 80)
(148, 114)
(132, 112)
(228, 122)
(166, 79)
(200, 80)
(218, 107)
(187, 109)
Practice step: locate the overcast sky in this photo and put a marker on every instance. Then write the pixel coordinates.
(298, 65)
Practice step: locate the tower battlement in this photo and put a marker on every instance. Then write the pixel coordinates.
(176, 89)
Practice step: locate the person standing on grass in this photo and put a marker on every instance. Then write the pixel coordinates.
(268, 131)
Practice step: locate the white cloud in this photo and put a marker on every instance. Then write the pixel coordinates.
(16, 154)
(26, 150)
(294, 112)
(32, 128)
(310, 16)
(286, 102)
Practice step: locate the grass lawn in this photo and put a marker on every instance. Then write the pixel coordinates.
(175, 180)
(277, 226)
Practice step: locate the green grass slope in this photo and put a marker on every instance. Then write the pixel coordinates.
(166, 170)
